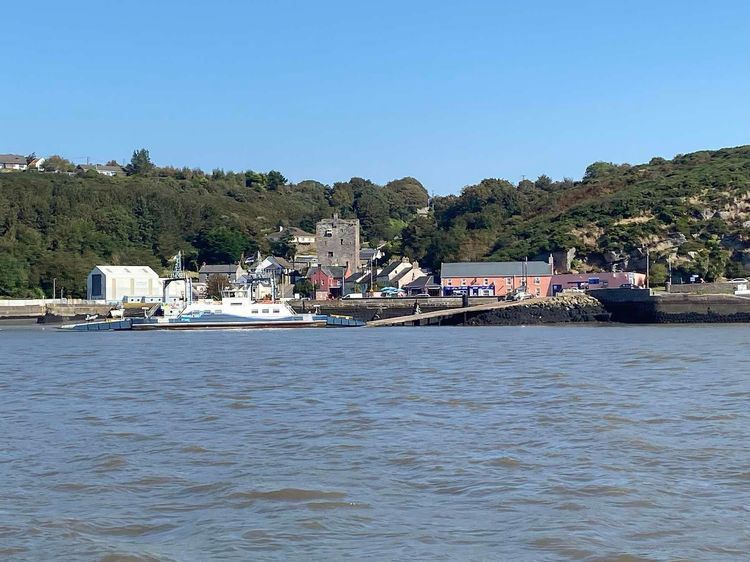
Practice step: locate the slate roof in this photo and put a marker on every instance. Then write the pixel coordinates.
(494, 269)
(12, 159)
(293, 230)
(335, 271)
(424, 282)
(227, 268)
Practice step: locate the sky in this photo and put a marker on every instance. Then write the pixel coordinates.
(446, 92)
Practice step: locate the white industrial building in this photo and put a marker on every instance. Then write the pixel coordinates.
(125, 283)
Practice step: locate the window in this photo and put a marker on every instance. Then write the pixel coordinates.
(254, 311)
(486, 281)
(538, 291)
(328, 233)
(449, 282)
(463, 282)
(330, 254)
(276, 311)
(342, 241)
(537, 281)
(509, 281)
(264, 311)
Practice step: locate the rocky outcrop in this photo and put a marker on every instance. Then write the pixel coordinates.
(556, 310)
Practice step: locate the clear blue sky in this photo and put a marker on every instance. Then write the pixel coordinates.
(445, 92)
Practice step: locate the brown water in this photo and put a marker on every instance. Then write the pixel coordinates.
(569, 443)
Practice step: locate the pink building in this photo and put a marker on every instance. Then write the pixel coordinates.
(495, 279)
(602, 280)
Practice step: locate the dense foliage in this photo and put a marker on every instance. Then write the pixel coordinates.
(693, 210)
(58, 226)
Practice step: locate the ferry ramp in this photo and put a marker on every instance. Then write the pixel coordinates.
(449, 316)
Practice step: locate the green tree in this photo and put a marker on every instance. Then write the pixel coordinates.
(658, 274)
(220, 245)
(275, 180)
(57, 163)
(304, 288)
(285, 247)
(140, 163)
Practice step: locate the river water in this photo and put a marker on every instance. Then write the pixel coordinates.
(529, 443)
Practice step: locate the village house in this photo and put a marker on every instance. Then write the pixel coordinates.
(303, 241)
(36, 163)
(328, 281)
(424, 285)
(233, 272)
(280, 269)
(368, 257)
(359, 282)
(105, 170)
(399, 273)
(13, 162)
(603, 280)
(488, 279)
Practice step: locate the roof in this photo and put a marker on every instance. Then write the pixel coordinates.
(494, 269)
(391, 267)
(102, 168)
(422, 283)
(12, 159)
(293, 230)
(334, 271)
(274, 260)
(358, 277)
(228, 268)
(127, 270)
(366, 254)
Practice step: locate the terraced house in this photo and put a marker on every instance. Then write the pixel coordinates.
(490, 279)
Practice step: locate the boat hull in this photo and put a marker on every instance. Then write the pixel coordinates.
(229, 325)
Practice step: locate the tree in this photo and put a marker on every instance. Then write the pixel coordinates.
(140, 163)
(658, 274)
(275, 180)
(284, 247)
(57, 163)
(215, 284)
(304, 288)
(405, 197)
(112, 163)
(220, 245)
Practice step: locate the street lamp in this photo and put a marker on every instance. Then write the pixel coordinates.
(54, 285)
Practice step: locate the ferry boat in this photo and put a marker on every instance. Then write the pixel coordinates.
(236, 309)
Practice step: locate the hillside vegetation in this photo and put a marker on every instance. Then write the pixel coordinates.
(693, 210)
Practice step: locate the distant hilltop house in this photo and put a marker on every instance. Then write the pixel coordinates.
(489, 279)
(36, 163)
(233, 272)
(337, 242)
(102, 169)
(13, 162)
(298, 236)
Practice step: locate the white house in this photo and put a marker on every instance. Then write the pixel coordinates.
(102, 169)
(12, 162)
(118, 283)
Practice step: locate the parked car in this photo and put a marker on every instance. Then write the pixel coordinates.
(422, 296)
(352, 296)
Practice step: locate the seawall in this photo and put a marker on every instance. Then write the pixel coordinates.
(641, 306)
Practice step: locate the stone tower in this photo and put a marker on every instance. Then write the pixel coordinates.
(338, 242)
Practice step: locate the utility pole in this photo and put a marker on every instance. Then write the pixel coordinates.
(54, 284)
